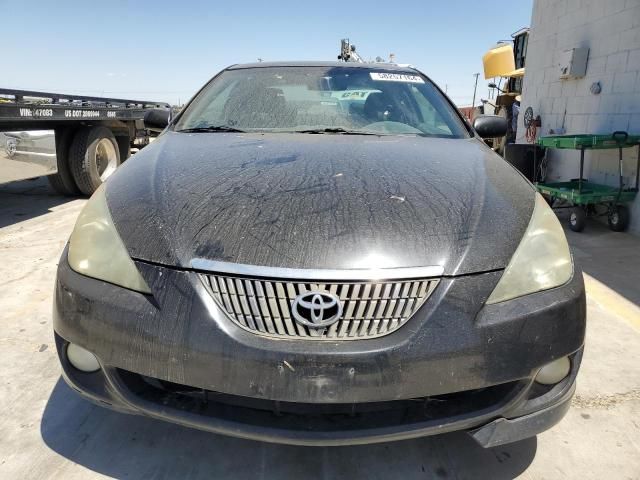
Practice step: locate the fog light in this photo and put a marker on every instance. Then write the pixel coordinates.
(553, 372)
(82, 359)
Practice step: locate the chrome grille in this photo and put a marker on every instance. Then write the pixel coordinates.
(369, 309)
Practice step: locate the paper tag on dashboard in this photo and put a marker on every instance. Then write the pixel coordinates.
(396, 77)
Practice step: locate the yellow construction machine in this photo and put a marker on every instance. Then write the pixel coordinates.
(504, 64)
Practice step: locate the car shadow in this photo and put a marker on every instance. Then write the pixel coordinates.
(609, 257)
(26, 199)
(119, 446)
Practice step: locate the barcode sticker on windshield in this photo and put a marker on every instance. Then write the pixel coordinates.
(396, 77)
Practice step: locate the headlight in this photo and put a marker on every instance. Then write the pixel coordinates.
(541, 261)
(96, 250)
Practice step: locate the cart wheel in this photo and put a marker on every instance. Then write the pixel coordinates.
(578, 219)
(618, 218)
(549, 199)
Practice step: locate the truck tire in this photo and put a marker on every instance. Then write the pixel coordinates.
(63, 182)
(93, 157)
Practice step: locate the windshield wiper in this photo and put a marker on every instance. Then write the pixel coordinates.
(339, 130)
(211, 128)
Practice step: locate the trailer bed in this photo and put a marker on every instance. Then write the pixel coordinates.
(42, 109)
(75, 140)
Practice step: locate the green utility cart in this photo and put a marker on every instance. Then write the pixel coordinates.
(588, 198)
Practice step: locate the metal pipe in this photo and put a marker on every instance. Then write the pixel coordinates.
(581, 169)
(638, 169)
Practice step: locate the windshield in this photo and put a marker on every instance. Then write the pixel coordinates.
(322, 100)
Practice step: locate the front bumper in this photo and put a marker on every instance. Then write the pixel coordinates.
(486, 356)
(537, 408)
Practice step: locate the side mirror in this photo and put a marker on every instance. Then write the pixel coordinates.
(490, 126)
(156, 120)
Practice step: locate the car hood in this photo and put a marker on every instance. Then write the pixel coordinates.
(320, 201)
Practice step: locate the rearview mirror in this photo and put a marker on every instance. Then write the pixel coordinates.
(156, 119)
(490, 126)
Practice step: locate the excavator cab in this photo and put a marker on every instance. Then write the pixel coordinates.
(505, 64)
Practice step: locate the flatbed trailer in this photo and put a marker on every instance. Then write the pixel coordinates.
(77, 141)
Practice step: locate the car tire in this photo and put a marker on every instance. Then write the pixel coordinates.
(577, 219)
(63, 182)
(94, 155)
(618, 218)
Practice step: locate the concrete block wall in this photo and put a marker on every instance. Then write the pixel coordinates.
(611, 31)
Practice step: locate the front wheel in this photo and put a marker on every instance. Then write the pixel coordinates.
(578, 219)
(618, 218)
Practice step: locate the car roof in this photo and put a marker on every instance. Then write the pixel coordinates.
(370, 66)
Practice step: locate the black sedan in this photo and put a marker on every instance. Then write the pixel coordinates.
(323, 254)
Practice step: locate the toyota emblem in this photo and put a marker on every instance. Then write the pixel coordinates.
(316, 309)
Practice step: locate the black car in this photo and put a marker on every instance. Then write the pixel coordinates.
(323, 254)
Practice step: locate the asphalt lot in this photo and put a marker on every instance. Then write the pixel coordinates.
(47, 431)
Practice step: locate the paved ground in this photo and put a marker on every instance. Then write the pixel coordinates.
(49, 432)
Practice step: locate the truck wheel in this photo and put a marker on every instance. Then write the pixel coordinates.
(618, 218)
(578, 219)
(93, 157)
(63, 182)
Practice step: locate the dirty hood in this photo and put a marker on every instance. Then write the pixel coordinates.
(320, 201)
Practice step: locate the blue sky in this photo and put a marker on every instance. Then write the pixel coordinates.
(165, 50)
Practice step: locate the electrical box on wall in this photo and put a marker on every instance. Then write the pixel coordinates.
(573, 63)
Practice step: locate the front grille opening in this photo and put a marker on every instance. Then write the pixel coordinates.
(369, 309)
(318, 417)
